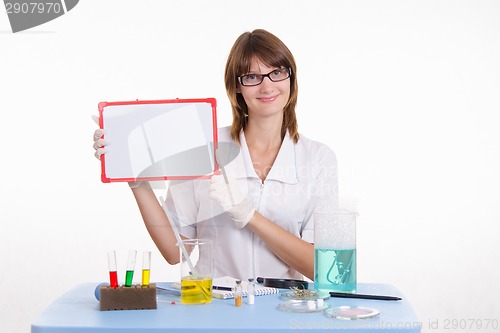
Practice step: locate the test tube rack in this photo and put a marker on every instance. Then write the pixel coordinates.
(136, 297)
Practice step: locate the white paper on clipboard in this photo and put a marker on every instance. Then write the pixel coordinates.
(155, 140)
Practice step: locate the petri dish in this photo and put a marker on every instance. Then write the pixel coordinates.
(303, 306)
(351, 312)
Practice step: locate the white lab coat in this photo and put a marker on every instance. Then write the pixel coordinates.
(302, 175)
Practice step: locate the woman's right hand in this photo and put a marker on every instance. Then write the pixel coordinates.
(99, 142)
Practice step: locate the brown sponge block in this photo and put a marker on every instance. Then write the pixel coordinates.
(136, 297)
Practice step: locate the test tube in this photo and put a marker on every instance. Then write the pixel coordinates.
(113, 275)
(146, 266)
(130, 268)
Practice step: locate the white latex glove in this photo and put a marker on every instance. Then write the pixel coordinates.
(99, 142)
(99, 146)
(230, 197)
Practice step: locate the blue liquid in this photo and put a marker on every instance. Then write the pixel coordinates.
(335, 270)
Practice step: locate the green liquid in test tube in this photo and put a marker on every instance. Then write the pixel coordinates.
(130, 268)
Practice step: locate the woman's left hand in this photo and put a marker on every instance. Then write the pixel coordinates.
(230, 197)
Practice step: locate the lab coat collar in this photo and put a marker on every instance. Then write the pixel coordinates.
(284, 168)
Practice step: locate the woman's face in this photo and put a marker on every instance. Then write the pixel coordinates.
(268, 98)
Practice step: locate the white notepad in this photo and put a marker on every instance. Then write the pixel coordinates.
(230, 282)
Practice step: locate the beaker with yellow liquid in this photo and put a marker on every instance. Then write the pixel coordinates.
(196, 271)
(196, 289)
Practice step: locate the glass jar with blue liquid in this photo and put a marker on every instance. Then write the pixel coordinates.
(335, 251)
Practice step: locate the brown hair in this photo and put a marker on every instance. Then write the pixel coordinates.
(269, 49)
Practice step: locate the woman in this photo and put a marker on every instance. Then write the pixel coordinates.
(260, 217)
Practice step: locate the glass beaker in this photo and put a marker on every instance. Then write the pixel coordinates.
(335, 251)
(196, 271)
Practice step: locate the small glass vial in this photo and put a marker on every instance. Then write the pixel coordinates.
(238, 294)
(251, 291)
(320, 303)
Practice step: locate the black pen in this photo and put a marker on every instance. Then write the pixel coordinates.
(222, 288)
(382, 298)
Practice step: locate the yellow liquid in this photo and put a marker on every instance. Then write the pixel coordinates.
(196, 289)
(145, 277)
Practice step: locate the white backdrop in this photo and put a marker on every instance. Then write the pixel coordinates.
(405, 92)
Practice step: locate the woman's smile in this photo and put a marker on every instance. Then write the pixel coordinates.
(268, 99)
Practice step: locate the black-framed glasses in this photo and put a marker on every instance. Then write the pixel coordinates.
(276, 75)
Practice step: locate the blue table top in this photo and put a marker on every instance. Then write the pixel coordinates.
(77, 311)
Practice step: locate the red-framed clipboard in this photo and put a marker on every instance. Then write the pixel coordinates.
(152, 140)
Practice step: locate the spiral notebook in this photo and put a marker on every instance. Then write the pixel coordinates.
(230, 282)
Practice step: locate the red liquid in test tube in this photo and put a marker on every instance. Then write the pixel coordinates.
(113, 279)
(113, 275)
